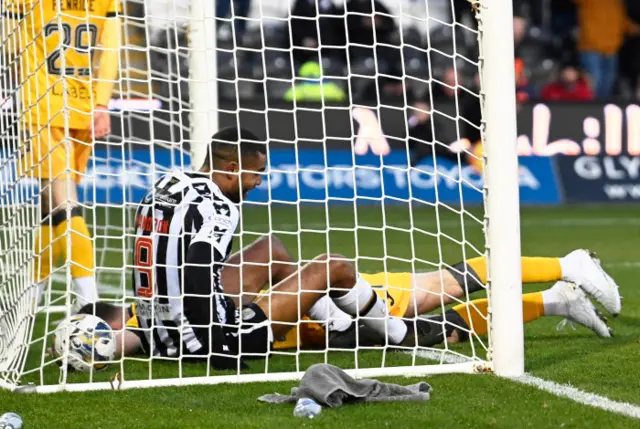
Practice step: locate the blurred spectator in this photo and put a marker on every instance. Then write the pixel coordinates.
(449, 88)
(421, 142)
(519, 30)
(305, 36)
(571, 86)
(420, 133)
(370, 34)
(629, 58)
(564, 20)
(240, 11)
(472, 114)
(603, 24)
(524, 46)
(310, 86)
(451, 102)
(368, 22)
(524, 90)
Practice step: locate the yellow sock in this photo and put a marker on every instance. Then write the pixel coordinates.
(45, 256)
(82, 260)
(541, 270)
(532, 306)
(475, 313)
(534, 269)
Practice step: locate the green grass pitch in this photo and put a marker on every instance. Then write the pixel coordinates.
(606, 367)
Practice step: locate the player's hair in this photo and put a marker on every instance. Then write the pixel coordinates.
(230, 143)
(103, 310)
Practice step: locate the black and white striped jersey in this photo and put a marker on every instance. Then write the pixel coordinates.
(184, 233)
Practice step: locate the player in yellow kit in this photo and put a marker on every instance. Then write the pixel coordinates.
(410, 295)
(64, 103)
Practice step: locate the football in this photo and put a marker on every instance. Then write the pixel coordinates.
(91, 342)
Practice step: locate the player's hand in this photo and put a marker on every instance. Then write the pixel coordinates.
(101, 122)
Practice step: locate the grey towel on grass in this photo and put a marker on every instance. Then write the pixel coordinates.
(330, 386)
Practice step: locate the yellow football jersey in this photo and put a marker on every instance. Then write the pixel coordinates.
(53, 41)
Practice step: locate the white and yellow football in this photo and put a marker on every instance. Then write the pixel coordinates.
(91, 342)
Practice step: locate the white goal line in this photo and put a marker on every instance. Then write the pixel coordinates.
(557, 389)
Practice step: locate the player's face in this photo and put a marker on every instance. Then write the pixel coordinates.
(253, 168)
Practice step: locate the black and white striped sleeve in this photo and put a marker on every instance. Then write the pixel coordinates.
(204, 303)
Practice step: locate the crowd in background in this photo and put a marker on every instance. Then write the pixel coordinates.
(571, 50)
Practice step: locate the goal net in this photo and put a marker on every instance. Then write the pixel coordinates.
(372, 153)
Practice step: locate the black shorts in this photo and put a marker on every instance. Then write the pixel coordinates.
(253, 337)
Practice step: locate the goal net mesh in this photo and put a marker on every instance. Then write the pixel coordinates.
(359, 164)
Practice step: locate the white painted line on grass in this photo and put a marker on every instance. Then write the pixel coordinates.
(557, 389)
(580, 396)
(624, 264)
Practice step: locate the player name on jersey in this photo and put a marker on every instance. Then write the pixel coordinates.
(73, 5)
(150, 224)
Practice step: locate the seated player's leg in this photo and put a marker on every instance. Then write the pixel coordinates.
(564, 299)
(57, 162)
(432, 290)
(288, 301)
(580, 267)
(435, 289)
(265, 261)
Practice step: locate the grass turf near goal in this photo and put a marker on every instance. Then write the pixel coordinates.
(578, 358)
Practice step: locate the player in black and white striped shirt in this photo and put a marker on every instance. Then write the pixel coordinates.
(189, 288)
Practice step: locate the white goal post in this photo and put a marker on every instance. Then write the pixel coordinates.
(176, 90)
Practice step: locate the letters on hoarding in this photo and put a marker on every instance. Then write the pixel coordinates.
(336, 176)
(600, 178)
(602, 131)
(339, 177)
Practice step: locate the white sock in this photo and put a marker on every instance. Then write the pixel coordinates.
(86, 290)
(325, 310)
(566, 267)
(362, 296)
(554, 303)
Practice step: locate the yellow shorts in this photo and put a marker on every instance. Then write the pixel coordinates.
(394, 288)
(46, 153)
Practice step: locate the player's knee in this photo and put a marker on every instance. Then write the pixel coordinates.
(272, 245)
(341, 270)
(278, 249)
